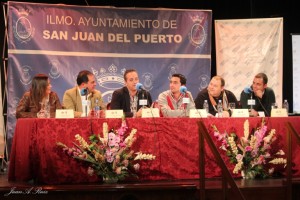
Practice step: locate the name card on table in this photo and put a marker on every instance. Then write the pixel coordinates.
(64, 113)
(279, 112)
(113, 113)
(240, 113)
(150, 112)
(198, 113)
(261, 113)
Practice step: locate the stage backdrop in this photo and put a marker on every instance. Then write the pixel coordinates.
(61, 40)
(245, 47)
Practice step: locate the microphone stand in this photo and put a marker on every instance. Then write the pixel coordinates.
(251, 97)
(86, 106)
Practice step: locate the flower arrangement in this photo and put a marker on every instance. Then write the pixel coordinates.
(109, 155)
(252, 154)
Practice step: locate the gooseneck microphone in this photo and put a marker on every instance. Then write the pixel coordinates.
(139, 87)
(143, 101)
(183, 89)
(84, 92)
(248, 90)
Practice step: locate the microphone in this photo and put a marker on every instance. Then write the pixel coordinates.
(143, 101)
(248, 90)
(183, 89)
(139, 87)
(83, 91)
(251, 102)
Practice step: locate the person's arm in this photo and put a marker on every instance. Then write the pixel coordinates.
(199, 101)
(101, 103)
(23, 108)
(69, 103)
(270, 95)
(244, 100)
(115, 104)
(54, 104)
(57, 102)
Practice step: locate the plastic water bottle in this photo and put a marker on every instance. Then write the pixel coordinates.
(220, 109)
(286, 106)
(97, 108)
(205, 106)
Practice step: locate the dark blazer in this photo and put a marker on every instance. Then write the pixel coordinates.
(121, 100)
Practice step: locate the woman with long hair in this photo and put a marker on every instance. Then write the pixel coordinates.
(39, 101)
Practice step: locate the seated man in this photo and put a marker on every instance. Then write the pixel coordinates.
(171, 101)
(82, 97)
(213, 93)
(261, 93)
(128, 97)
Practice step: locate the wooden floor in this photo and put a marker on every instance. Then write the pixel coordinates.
(181, 189)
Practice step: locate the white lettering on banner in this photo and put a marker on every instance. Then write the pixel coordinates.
(170, 24)
(119, 37)
(85, 36)
(61, 20)
(124, 23)
(55, 35)
(151, 38)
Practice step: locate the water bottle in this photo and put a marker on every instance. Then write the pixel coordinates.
(205, 106)
(220, 109)
(286, 106)
(97, 108)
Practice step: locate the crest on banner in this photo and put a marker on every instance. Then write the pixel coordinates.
(23, 29)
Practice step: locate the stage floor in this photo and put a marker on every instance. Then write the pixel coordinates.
(170, 189)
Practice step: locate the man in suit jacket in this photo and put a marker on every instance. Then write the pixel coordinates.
(82, 97)
(128, 98)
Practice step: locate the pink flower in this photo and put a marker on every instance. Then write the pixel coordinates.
(239, 157)
(219, 136)
(248, 148)
(117, 139)
(261, 160)
(109, 156)
(122, 144)
(123, 128)
(111, 139)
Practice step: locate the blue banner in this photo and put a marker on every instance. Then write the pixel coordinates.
(61, 40)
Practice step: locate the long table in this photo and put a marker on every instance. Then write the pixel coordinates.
(174, 141)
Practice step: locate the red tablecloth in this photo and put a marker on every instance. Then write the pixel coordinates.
(174, 141)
